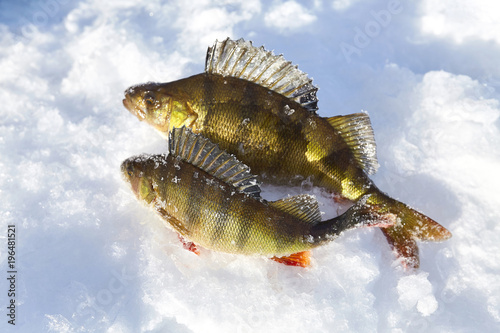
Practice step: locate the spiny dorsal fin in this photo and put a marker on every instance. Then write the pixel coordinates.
(206, 155)
(357, 132)
(242, 60)
(304, 207)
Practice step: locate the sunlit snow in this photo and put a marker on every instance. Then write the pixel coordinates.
(90, 258)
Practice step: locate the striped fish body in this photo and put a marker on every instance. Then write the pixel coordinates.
(276, 137)
(262, 109)
(208, 197)
(214, 215)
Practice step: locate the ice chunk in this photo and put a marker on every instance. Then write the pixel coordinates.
(416, 290)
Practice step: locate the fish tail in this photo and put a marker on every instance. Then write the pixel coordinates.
(410, 226)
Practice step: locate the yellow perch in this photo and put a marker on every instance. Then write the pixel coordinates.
(262, 109)
(212, 199)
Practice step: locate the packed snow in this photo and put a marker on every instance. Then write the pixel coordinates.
(90, 258)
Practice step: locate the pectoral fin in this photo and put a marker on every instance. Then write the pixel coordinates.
(302, 259)
(190, 246)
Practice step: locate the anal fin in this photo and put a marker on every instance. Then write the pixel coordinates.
(302, 259)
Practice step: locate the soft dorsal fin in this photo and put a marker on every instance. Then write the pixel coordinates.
(242, 60)
(304, 207)
(206, 155)
(357, 132)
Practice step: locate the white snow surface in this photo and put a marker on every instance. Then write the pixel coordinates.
(90, 258)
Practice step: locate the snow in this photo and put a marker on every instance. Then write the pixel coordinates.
(90, 258)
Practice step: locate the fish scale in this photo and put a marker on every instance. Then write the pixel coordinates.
(229, 215)
(243, 102)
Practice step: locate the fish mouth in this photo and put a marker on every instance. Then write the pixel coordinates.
(128, 104)
(133, 108)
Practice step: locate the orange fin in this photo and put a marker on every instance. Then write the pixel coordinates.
(302, 259)
(414, 227)
(430, 230)
(405, 246)
(337, 198)
(190, 246)
(411, 226)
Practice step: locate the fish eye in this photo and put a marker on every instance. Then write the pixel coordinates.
(130, 170)
(149, 99)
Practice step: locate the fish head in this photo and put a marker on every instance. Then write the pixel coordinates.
(162, 105)
(135, 172)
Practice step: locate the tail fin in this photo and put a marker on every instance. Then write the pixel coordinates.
(410, 227)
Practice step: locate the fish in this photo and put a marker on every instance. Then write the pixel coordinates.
(213, 200)
(264, 110)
